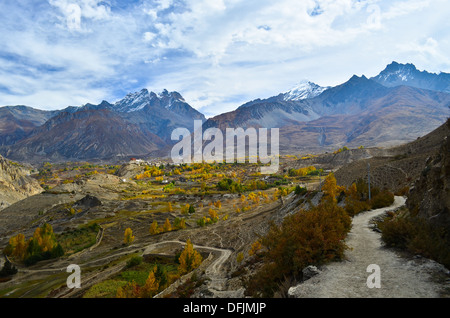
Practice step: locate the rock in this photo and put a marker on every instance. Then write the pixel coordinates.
(15, 183)
(310, 271)
(88, 201)
(294, 291)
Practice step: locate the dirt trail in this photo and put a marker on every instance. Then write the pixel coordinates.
(399, 276)
(214, 272)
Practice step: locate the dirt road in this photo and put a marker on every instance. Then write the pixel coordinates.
(399, 277)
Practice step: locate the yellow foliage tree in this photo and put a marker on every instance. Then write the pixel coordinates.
(189, 259)
(352, 191)
(151, 286)
(213, 214)
(256, 247)
(130, 290)
(45, 237)
(330, 187)
(167, 226)
(154, 228)
(128, 236)
(18, 246)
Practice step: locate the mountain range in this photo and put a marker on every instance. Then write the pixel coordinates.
(394, 107)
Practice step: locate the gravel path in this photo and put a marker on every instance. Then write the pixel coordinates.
(399, 277)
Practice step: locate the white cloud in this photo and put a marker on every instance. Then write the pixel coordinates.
(149, 36)
(74, 10)
(217, 54)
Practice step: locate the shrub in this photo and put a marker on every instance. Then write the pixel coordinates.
(300, 190)
(414, 234)
(354, 207)
(201, 222)
(382, 199)
(179, 223)
(307, 237)
(229, 185)
(134, 261)
(397, 232)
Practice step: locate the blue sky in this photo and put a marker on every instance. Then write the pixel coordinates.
(218, 54)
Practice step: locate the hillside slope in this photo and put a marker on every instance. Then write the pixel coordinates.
(15, 183)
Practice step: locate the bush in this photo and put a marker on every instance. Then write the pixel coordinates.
(300, 190)
(382, 199)
(354, 207)
(415, 235)
(134, 261)
(229, 185)
(305, 238)
(397, 232)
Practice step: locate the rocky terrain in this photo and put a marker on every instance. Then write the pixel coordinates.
(15, 183)
(429, 197)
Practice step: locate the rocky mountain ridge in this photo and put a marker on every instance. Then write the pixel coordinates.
(397, 106)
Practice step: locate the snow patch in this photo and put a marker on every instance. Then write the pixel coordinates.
(305, 89)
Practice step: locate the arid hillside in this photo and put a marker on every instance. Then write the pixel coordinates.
(15, 183)
(397, 167)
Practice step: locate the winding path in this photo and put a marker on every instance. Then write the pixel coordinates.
(399, 277)
(213, 271)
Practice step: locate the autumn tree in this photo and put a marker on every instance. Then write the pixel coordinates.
(43, 245)
(179, 223)
(18, 246)
(330, 187)
(213, 214)
(151, 286)
(154, 228)
(189, 259)
(167, 226)
(128, 236)
(256, 247)
(185, 209)
(130, 290)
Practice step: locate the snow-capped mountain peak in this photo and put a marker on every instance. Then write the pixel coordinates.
(133, 101)
(399, 72)
(136, 101)
(303, 90)
(396, 74)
